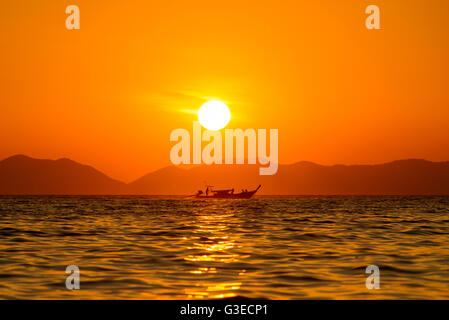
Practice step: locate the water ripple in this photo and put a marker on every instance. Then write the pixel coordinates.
(268, 247)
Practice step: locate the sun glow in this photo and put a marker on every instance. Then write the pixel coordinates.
(214, 115)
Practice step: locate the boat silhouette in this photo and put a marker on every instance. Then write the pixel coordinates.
(225, 193)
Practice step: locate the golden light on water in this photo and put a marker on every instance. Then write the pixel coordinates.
(222, 249)
(216, 247)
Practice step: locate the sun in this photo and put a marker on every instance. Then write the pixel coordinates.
(214, 115)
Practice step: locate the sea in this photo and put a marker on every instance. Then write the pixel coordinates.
(269, 247)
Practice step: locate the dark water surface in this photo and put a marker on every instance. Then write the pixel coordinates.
(268, 247)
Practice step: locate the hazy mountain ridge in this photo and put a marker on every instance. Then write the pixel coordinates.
(24, 175)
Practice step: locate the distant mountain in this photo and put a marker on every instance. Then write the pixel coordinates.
(417, 177)
(175, 180)
(24, 175)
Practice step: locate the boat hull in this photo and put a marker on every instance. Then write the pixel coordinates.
(241, 195)
(246, 195)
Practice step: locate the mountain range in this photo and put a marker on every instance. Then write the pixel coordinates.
(20, 175)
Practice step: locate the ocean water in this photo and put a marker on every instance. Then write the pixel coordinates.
(267, 247)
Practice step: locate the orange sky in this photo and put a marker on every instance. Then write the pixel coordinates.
(110, 93)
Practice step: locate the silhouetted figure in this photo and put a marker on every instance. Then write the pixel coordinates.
(232, 191)
(207, 191)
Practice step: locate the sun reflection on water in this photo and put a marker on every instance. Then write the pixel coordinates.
(282, 248)
(212, 244)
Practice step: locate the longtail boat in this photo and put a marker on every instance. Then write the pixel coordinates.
(225, 194)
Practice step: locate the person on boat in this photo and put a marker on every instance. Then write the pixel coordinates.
(207, 191)
(232, 191)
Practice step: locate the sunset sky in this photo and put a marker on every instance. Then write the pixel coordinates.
(109, 94)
